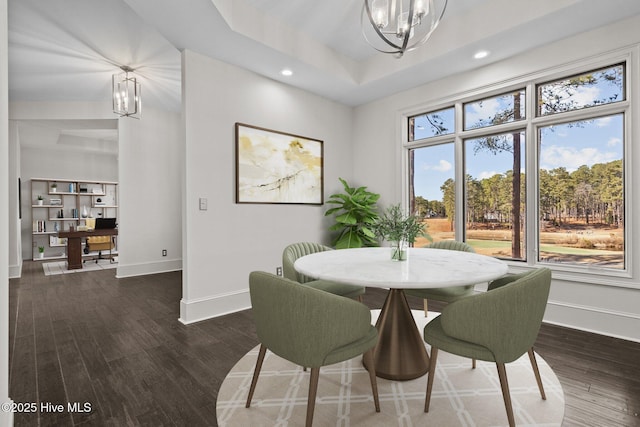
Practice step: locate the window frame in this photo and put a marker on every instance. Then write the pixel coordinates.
(626, 277)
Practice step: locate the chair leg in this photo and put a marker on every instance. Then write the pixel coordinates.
(368, 360)
(502, 374)
(313, 389)
(536, 372)
(426, 307)
(432, 373)
(359, 298)
(473, 363)
(256, 373)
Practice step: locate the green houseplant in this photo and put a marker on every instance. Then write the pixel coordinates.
(355, 213)
(400, 229)
(41, 251)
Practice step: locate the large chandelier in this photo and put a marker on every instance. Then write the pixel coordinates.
(398, 26)
(126, 94)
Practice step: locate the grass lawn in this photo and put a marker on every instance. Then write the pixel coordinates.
(501, 244)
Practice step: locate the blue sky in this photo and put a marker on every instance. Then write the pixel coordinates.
(566, 145)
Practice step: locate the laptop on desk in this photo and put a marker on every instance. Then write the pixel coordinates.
(105, 223)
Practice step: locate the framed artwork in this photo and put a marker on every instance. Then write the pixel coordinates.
(278, 167)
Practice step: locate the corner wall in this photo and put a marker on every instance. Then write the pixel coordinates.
(610, 309)
(150, 175)
(6, 418)
(224, 243)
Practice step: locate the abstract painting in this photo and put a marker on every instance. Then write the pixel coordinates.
(277, 167)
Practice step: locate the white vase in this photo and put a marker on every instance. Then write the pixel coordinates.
(84, 212)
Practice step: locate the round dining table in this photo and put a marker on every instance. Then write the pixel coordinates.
(400, 353)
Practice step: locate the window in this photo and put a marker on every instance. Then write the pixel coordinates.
(495, 110)
(434, 192)
(568, 212)
(431, 124)
(494, 195)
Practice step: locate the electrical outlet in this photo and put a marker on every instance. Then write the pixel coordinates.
(164, 252)
(279, 271)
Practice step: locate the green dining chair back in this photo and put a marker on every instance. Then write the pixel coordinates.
(449, 294)
(310, 328)
(499, 325)
(296, 250)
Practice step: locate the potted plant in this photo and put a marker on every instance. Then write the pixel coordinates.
(40, 200)
(41, 251)
(54, 187)
(355, 213)
(400, 229)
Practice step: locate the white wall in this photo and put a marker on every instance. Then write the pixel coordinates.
(150, 174)
(15, 243)
(612, 309)
(226, 242)
(6, 418)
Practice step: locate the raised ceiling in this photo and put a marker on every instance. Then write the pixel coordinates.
(67, 50)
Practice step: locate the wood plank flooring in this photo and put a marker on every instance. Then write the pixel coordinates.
(116, 344)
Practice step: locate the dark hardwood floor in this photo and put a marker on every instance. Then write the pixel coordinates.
(116, 344)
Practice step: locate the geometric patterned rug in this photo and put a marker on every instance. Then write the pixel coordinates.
(461, 396)
(60, 267)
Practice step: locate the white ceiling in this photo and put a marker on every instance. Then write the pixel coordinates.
(67, 50)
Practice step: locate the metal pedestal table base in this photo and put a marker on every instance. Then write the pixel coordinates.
(400, 353)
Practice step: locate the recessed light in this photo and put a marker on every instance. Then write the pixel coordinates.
(286, 72)
(481, 54)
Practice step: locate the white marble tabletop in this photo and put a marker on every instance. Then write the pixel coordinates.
(424, 268)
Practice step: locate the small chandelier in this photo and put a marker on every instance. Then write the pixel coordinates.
(126, 94)
(398, 26)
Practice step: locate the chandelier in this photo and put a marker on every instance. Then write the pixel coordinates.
(398, 26)
(126, 94)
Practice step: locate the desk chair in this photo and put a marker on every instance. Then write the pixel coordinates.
(498, 326)
(309, 327)
(100, 243)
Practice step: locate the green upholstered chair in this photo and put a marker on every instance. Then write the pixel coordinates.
(310, 328)
(296, 250)
(444, 294)
(499, 326)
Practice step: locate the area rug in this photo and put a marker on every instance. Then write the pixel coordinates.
(461, 396)
(60, 267)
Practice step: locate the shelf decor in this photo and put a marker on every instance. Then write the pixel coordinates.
(277, 167)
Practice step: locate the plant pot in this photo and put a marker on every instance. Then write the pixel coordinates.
(41, 255)
(399, 250)
(40, 202)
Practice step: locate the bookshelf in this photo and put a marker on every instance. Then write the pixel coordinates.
(58, 204)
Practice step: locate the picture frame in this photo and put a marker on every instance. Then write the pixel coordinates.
(278, 167)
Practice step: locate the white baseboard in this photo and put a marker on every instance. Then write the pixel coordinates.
(130, 270)
(15, 271)
(214, 306)
(593, 319)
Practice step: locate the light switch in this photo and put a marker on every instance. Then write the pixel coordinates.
(203, 204)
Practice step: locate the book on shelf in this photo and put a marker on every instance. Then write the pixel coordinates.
(39, 226)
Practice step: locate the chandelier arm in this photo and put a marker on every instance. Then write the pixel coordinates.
(407, 34)
(375, 27)
(434, 25)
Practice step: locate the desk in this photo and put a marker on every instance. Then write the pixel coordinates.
(400, 353)
(74, 244)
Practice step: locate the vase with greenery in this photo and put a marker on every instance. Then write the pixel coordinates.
(400, 229)
(54, 187)
(40, 200)
(41, 251)
(355, 213)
